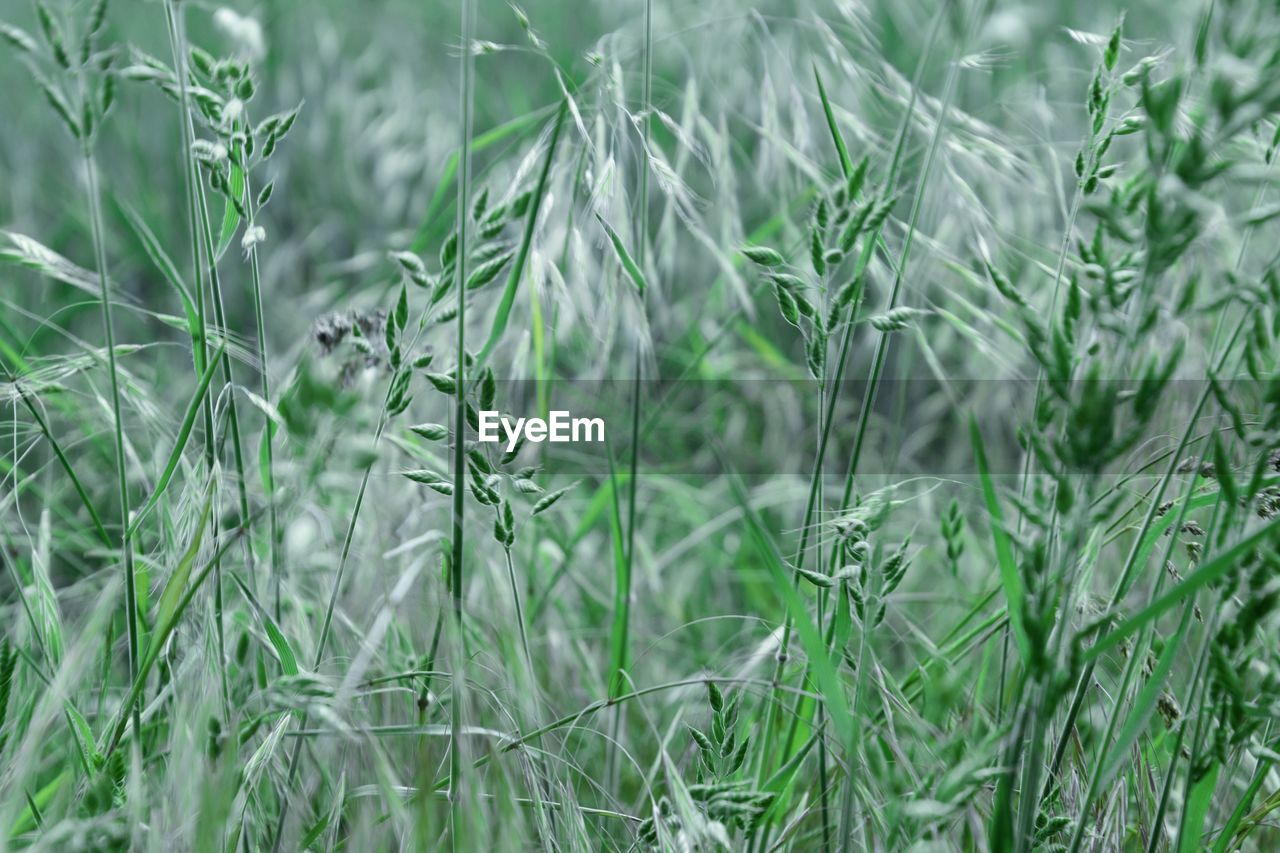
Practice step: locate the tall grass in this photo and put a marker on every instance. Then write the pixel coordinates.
(938, 502)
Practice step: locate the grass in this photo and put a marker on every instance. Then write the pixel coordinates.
(940, 501)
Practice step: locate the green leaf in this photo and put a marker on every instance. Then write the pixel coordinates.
(173, 603)
(846, 164)
(180, 443)
(231, 217)
(1199, 798)
(1010, 580)
(829, 681)
(1118, 753)
(167, 606)
(167, 269)
(1205, 574)
(503, 315)
(624, 257)
(284, 652)
(28, 817)
(84, 737)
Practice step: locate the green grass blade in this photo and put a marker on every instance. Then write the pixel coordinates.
(283, 650)
(180, 443)
(167, 269)
(1010, 579)
(621, 590)
(439, 200)
(1143, 706)
(846, 164)
(517, 267)
(231, 217)
(1209, 571)
(820, 662)
(1199, 800)
(176, 598)
(624, 257)
(58, 452)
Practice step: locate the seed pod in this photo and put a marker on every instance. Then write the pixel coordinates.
(762, 255)
(894, 320)
(787, 305)
(1112, 53)
(52, 34)
(488, 389)
(547, 502)
(430, 479)
(431, 432)
(787, 280)
(857, 178)
(881, 213)
(715, 697)
(817, 578)
(703, 742)
(443, 382)
(488, 271)
(509, 456)
(526, 487)
(61, 107)
(18, 38)
(449, 250)
(817, 253)
(816, 355)
(521, 203)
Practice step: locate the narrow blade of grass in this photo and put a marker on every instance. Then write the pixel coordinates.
(1209, 571)
(180, 442)
(1010, 580)
(517, 267)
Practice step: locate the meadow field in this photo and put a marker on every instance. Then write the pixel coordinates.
(935, 497)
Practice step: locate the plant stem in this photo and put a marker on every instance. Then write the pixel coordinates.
(122, 478)
(197, 225)
(622, 594)
(269, 486)
(459, 426)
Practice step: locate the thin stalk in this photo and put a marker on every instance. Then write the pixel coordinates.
(1197, 681)
(846, 344)
(622, 593)
(459, 424)
(273, 521)
(1197, 742)
(62, 458)
(327, 625)
(520, 620)
(869, 396)
(200, 351)
(122, 479)
(883, 343)
(1126, 575)
(344, 558)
